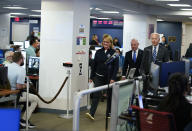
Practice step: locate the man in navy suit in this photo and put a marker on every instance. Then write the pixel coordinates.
(133, 59)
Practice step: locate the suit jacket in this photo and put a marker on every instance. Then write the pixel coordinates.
(162, 56)
(106, 70)
(129, 63)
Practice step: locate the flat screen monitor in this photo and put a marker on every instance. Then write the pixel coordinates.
(24, 55)
(1, 54)
(33, 66)
(9, 119)
(155, 75)
(26, 44)
(20, 44)
(168, 68)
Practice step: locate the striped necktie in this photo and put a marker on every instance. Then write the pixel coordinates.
(154, 54)
(134, 56)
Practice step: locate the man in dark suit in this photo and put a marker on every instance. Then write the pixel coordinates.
(153, 54)
(133, 59)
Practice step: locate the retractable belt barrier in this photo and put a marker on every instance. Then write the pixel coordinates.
(48, 102)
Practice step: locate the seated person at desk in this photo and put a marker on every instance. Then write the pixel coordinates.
(16, 76)
(175, 102)
(8, 58)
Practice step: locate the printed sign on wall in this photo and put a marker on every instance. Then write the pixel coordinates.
(81, 40)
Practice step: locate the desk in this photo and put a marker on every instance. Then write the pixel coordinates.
(36, 80)
(8, 95)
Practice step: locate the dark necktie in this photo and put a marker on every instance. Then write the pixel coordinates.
(134, 56)
(154, 54)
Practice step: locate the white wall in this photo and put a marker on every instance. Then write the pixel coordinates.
(186, 37)
(59, 28)
(4, 30)
(136, 26)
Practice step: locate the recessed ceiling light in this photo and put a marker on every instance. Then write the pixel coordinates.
(17, 14)
(186, 9)
(110, 12)
(98, 9)
(159, 20)
(167, 0)
(36, 10)
(179, 5)
(15, 8)
(129, 10)
(103, 18)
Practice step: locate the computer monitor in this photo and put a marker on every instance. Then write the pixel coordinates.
(33, 65)
(1, 53)
(187, 66)
(1, 56)
(20, 44)
(26, 44)
(9, 119)
(155, 76)
(24, 55)
(168, 68)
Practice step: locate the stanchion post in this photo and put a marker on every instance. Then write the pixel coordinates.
(67, 116)
(27, 104)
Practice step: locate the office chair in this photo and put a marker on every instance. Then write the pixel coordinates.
(151, 120)
(9, 119)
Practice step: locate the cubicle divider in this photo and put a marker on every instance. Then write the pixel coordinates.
(121, 95)
(122, 91)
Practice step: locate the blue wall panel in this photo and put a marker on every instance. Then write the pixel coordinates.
(114, 32)
(171, 29)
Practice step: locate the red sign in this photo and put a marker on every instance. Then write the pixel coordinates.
(17, 19)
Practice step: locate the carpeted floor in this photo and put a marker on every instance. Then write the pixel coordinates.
(52, 122)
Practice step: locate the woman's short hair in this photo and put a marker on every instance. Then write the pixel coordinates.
(17, 56)
(108, 37)
(178, 84)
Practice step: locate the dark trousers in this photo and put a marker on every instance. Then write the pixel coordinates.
(98, 81)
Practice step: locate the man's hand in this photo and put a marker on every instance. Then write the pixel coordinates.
(123, 78)
(112, 81)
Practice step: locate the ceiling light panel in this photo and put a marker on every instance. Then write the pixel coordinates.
(186, 9)
(103, 18)
(167, 0)
(110, 12)
(15, 8)
(98, 9)
(179, 5)
(17, 14)
(36, 10)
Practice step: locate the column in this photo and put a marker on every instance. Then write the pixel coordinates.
(64, 38)
(4, 30)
